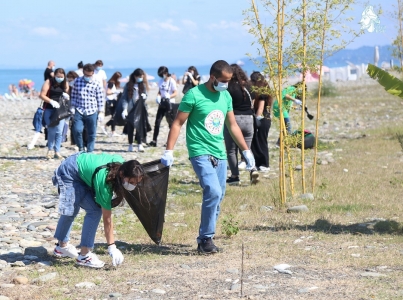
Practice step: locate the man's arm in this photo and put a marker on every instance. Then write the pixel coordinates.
(74, 95)
(100, 98)
(176, 126)
(235, 131)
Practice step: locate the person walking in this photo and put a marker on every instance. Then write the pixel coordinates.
(49, 71)
(190, 79)
(52, 90)
(79, 71)
(134, 108)
(89, 181)
(206, 108)
(242, 109)
(165, 98)
(262, 108)
(87, 105)
(112, 93)
(99, 74)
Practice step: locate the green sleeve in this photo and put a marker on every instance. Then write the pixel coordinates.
(103, 192)
(188, 102)
(229, 102)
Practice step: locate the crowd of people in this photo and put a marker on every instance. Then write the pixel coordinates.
(228, 114)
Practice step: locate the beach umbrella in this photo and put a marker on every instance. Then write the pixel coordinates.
(148, 200)
(150, 77)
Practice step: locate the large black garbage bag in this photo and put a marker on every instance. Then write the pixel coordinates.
(148, 200)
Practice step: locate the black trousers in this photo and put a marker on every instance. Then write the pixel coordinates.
(160, 115)
(131, 136)
(259, 147)
(111, 123)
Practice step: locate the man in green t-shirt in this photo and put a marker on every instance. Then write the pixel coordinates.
(206, 108)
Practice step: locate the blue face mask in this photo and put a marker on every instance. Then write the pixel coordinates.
(221, 86)
(88, 79)
(59, 80)
(139, 80)
(99, 68)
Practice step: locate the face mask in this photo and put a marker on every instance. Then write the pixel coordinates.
(221, 86)
(88, 79)
(128, 186)
(59, 80)
(192, 72)
(165, 76)
(53, 68)
(71, 83)
(139, 80)
(99, 68)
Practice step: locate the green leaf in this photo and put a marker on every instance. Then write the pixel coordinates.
(391, 84)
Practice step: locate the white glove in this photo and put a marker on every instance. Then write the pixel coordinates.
(158, 100)
(72, 110)
(101, 116)
(54, 104)
(168, 96)
(66, 96)
(116, 92)
(259, 117)
(143, 96)
(167, 158)
(124, 114)
(250, 160)
(117, 256)
(190, 75)
(298, 102)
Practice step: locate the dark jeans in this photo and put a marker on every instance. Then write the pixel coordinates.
(90, 123)
(131, 136)
(259, 145)
(111, 123)
(160, 115)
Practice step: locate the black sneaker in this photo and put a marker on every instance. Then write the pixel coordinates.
(233, 181)
(152, 144)
(254, 176)
(207, 246)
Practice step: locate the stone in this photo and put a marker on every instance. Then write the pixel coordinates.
(235, 287)
(46, 277)
(17, 264)
(25, 243)
(115, 295)
(85, 285)
(7, 285)
(298, 208)
(265, 208)
(307, 290)
(158, 291)
(232, 271)
(20, 280)
(36, 251)
(4, 298)
(307, 196)
(372, 274)
(185, 267)
(282, 268)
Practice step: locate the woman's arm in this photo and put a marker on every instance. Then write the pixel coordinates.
(195, 81)
(108, 226)
(260, 108)
(44, 91)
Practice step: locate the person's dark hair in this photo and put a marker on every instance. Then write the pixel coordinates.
(54, 83)
(88, 68)
(163, 70)
(99, 63)
(239, 77)
(80, 65)
(115, 79)
(196, 73)
(128, 169)
(260, 87)
(220, 66)
(143, 86)
(72, 74)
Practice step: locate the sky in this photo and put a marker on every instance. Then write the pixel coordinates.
(132, 33)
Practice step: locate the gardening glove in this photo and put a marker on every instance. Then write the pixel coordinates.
(158, 100)
(124, 114)
(72, 110)
(167, 158)
(101, 116)
(250, 160)
(117, 256)
(66, 96)
(298, 102)
(54, 104)
(190, 75)
(143, 96)
(259, 117)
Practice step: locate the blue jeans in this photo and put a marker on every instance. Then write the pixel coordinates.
(90, 123)
(73, 194)
(213, 182)
(54, 133)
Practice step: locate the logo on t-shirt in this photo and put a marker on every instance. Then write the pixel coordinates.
(214, 122)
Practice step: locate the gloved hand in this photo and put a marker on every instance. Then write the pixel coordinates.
(298, 102)
(259, 117)
(190, 75)
(54, 104)
(250, 160)
(117, 256)
(143, 96)
(158, 100)
(66, 96)
(72, 110)
(167, 158)
(101, 116)
(116, 92)
(168, 96)
(124, 114)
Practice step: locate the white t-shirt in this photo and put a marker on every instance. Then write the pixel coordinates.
(113, 90)
(79, 72)
(167, 88)
(100, 76)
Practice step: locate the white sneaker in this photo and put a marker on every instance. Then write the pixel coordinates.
(242, 165)
(141, 148)
(68, 251)
(130, 148)
(264, 169)
(30, 147)
(89, 260)
(114, 134)
(104, 130)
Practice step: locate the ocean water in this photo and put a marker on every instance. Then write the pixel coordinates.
(8, 77)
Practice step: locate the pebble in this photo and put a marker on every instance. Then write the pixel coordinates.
(372, 274)
(299, 208)
(115, 295)
(20, 280)
(282, 268)
(265, 208)
(235, 287)
(46, 277)
(4, 298)
(233, 271)
(308, 289)
(85, 285)
(158, 291)
(307, 196)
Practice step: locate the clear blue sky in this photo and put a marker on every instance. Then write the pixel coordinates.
(142, 33)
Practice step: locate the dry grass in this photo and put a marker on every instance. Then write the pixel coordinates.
(339, 238)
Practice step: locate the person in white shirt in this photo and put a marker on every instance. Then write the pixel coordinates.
(166, 96)
(99, 74)
(79, 71)
(111, 101)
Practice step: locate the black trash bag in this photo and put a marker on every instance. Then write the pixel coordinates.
(309, 139)
(148, 201)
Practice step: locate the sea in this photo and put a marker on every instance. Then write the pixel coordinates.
(13, 76)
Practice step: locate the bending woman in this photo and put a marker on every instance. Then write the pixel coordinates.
(83, 183)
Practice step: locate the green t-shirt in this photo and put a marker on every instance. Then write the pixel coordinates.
(287, 104)
(204, 129)
(87, 163)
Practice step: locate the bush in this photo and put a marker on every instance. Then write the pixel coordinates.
(328, 90)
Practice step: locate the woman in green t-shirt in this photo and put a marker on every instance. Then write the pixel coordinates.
(95, 183)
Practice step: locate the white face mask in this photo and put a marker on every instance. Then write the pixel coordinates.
(221, 86)
(128, 186)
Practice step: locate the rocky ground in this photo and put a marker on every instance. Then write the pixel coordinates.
(28, 206)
